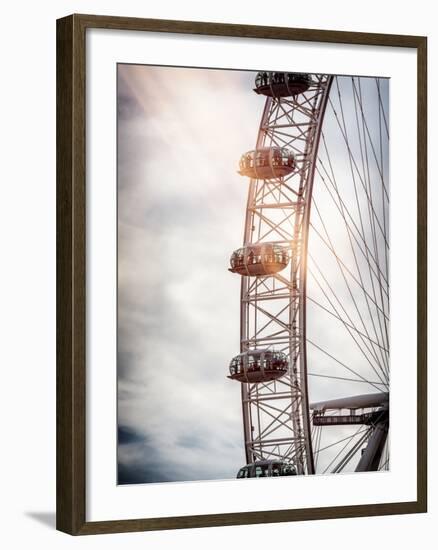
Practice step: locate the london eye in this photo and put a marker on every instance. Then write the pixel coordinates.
(314, 270)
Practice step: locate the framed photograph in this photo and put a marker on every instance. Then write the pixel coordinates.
(241, 274)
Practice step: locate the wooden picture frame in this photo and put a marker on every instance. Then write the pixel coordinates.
(71, 273)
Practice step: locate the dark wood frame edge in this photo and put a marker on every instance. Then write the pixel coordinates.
(71, 255)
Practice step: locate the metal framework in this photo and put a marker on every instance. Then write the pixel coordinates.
(277, 419)
(273, 309)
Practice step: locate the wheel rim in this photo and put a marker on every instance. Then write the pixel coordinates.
(276, 417)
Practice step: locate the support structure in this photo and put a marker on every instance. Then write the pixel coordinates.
(273, 308)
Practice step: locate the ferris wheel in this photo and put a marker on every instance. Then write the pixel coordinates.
(314, 268)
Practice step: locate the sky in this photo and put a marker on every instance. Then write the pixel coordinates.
(181, 206)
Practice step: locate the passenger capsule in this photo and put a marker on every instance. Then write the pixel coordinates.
(259, 260)
(267, 468)
(282, 84)
(267, 163)
(258, 365)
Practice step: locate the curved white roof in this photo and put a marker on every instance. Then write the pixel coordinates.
(353, 402)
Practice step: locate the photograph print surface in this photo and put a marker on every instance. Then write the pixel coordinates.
(253, 274)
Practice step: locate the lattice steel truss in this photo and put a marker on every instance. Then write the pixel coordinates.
(273, 308)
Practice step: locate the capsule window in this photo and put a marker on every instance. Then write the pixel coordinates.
(261, 471)
(288, 470)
